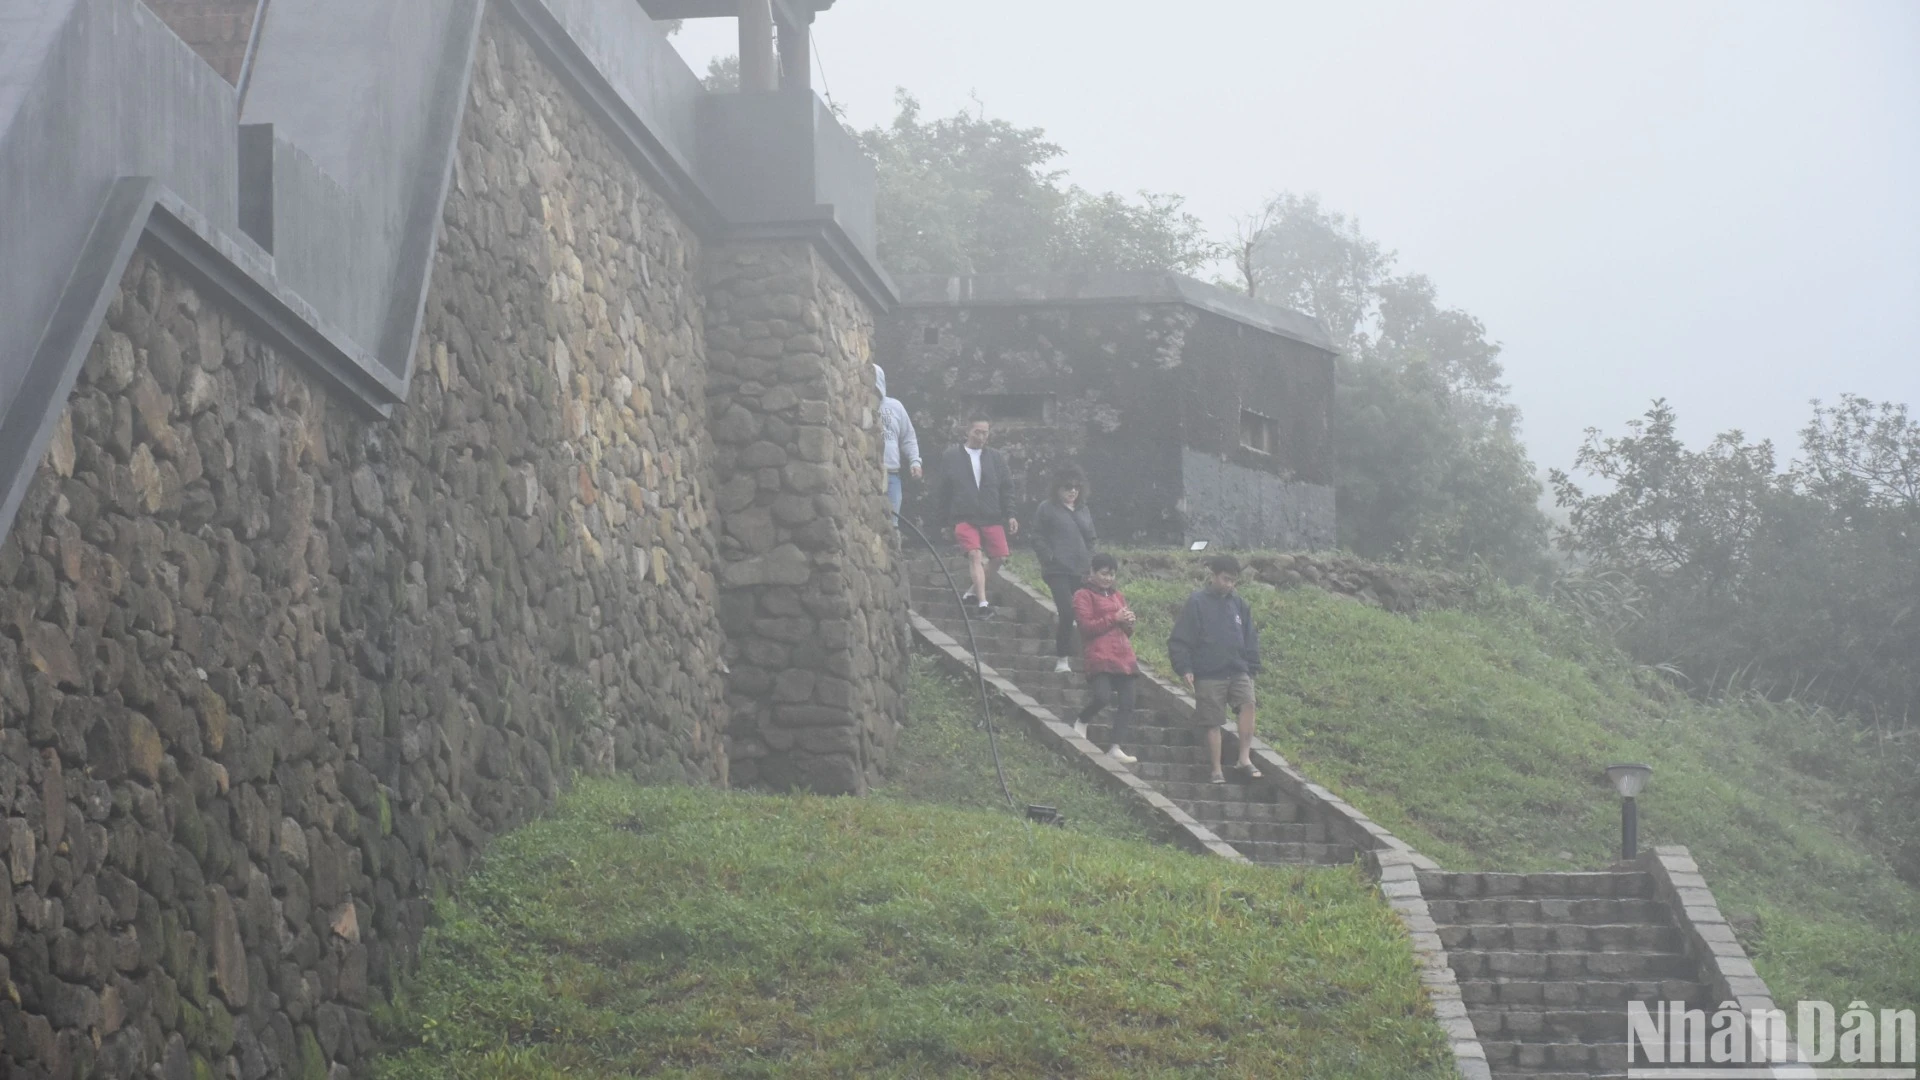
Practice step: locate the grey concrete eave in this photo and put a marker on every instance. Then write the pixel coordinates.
(1119, 287)
(114, 133)
(645, 98)
(137, 211)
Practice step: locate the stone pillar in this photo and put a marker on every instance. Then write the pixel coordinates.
(757, 69)
(796, 56)
(809, 593)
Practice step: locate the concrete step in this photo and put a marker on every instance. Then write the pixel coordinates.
(1563, 936)
(1024, 666)
(1186, 772)
(1552, 1025)
(1273, 832)
(1559, 910)
(935, 600)
(1183, 791)
(1271, 853)
(1604, 883)
(1568, 964)
(1576, 993)
(1193, 753)
(1585, 1059)
(1208, 810)
(992, 635)
(1144, 734)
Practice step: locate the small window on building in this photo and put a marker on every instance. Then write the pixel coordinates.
(931, 336)
(1015, 406)
(1259, 433)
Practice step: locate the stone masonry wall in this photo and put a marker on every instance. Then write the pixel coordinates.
(271, 671)
(817, 688)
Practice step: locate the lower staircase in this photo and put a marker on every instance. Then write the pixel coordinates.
(1254, 817)
(1529, 974)
(1547, 964)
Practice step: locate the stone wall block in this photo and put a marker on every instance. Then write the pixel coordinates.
(281, 669)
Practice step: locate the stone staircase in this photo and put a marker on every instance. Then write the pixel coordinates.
(1529, 974)
(1257, 819)
(1547, 962)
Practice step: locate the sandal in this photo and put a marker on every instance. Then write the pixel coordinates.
(1249, 770)
(1217, 778)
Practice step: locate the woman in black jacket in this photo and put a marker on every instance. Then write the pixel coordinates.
(1063, 538)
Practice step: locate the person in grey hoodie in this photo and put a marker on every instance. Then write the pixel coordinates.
(1216, 649)
(898, 441)
(1063, 538)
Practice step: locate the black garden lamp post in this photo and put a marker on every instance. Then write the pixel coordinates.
(1629, 781)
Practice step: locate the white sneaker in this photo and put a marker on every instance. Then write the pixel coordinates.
(1121, 756)
(1080, 728)
(1062, 666)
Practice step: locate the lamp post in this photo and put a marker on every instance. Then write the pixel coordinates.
(1629, 781)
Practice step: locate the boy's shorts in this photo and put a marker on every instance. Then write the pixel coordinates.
(993, 538)
(1214, 699)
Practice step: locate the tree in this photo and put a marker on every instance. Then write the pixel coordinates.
(1430, 464)
(1249, 232)
(966, 194)
(1688, 517)
(1318, 261)
(723, 74)
(1862, 454)
(1804, 581)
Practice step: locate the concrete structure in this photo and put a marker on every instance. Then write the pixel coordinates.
(1197, 414)
(450, 399)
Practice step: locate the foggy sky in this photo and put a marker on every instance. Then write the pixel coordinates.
(1718, 203)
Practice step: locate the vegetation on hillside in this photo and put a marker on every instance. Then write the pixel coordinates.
(1480, 734)
(1802, 581)
(942, 757)
(683, 932)
(966, 194)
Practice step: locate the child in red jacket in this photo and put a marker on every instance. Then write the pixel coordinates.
(1106, 633)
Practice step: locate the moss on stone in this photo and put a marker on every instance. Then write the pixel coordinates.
(313, 1063)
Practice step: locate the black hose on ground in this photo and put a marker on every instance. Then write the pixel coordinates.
(980, 678)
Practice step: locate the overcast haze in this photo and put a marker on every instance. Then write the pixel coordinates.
(1711, 202)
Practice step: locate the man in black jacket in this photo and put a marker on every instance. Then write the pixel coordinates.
(973, 492)
(1216, 649)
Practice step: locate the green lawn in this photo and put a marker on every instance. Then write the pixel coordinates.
(1479, 736)
(683, 932)
(943, 757)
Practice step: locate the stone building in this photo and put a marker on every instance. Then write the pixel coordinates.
(1197, 413)
(403, 409)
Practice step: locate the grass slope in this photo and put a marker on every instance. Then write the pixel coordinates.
(681, 932)
(1480, 737)
(943, 757)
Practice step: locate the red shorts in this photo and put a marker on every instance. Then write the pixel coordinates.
(991, 537)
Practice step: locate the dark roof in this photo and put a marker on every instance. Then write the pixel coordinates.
(1142, 287)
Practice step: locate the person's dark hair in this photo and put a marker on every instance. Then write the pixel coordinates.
(978, 418)
(1104, 561)
(1223, 564)
(1070, 476)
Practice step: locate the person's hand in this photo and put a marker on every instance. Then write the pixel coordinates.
(1013, 526)
(915, 470)
(1189, 677)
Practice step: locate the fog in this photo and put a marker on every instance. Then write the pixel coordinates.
(1711, 202)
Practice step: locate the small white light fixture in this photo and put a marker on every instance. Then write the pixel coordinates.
(1198, 545)
(1629, 781)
